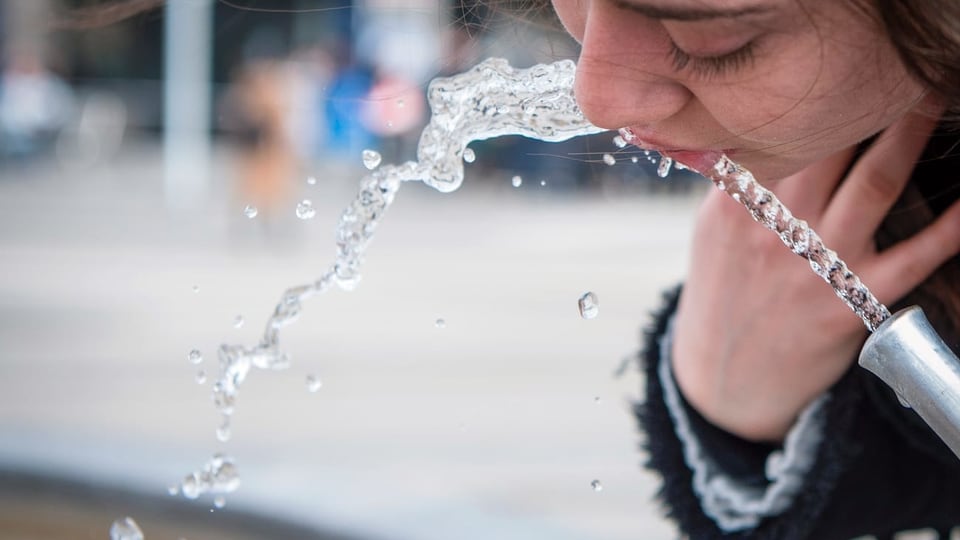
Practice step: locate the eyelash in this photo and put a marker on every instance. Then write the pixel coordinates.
(711, 66)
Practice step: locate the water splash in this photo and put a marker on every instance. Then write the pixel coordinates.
(218, 476)
(125, 529)
(663, 168)
(305, 209)
(371, 159)
(588, 305)
(491, 100)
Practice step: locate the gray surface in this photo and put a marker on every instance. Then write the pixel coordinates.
(487, 428)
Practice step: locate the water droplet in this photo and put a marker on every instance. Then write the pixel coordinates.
(609, 159)
(311, 180)
(223, 430)
(195, 288)
(589, 306)
(440, 323)
(238, 321)
(400, 103)
(201, 377)
(543, 182)
(596, 485)
(371, 158)
(190, 487)
(125, 529)
(663, 169)
(219, 501)
(250, 211)
(313, 383)
(619, 142)
(634, 159)
(195, 357)
(173, 490)
(305, 209)
(469, 155)
(596, 400)
(517, 181)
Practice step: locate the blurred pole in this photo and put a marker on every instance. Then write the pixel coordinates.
(188, 73)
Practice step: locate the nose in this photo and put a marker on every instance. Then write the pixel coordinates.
(624, 76)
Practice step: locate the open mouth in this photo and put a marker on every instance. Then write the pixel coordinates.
(698, 160)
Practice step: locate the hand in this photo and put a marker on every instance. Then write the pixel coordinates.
(758, 335)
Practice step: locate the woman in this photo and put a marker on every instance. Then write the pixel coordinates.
(755, 413)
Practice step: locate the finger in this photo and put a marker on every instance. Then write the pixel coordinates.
(878, 177)
(807, 193)
(906, 264)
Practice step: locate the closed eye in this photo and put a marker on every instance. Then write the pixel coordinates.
(711, 66)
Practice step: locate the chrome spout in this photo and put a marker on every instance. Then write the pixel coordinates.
(910, 357)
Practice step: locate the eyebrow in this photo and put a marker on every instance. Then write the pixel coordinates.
(689, 13)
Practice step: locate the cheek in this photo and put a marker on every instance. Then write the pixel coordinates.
(814, 99)
(572, 14)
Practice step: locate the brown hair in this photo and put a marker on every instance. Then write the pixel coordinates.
(926, 36)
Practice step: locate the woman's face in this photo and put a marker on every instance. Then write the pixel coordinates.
(776, 84)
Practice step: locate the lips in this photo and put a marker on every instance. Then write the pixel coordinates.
(698, 160)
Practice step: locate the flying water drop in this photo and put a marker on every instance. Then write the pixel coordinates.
(219, 476)
(596, 485)
(517, 181)
(195, 356)
(238, 321)
(223, 430)
(305, 209)
(440, 323)
(219, 501)
(619, 141)
(663, 169)
(250, 211)
(313, 383)
(311, 180)
(371, 159)
(125, 529)
(469, 155)
(588, 305)
(609, 159)
(195, 288)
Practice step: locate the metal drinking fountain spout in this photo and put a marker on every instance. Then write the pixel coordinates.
(909, 356)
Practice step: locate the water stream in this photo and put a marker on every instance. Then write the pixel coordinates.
(491, 100)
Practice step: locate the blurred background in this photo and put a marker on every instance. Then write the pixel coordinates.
(153, 155)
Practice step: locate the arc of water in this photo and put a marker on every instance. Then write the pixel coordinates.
(491, 100)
